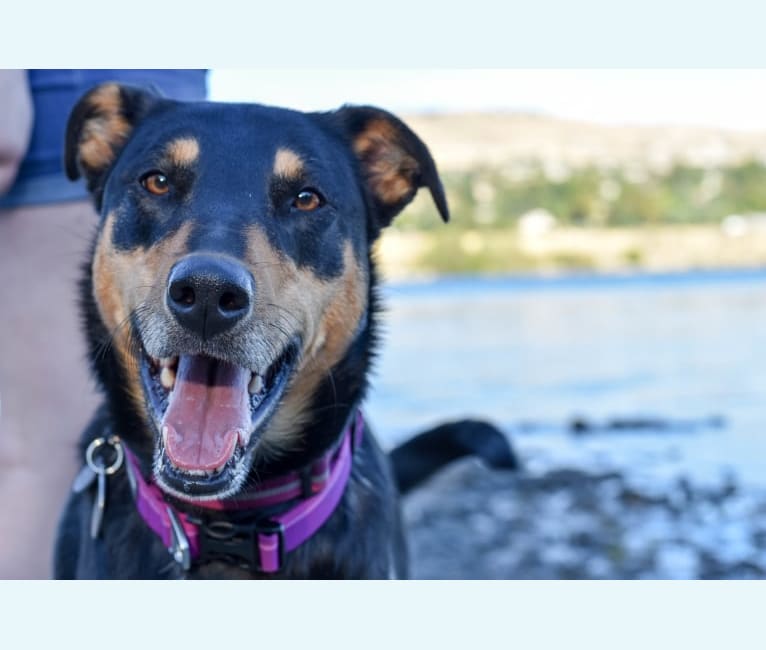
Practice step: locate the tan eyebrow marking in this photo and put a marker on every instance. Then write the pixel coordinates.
(183, 152)
(287, 163)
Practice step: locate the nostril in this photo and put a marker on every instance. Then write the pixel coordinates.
(231, 301)
(182, 294)
(208, 295)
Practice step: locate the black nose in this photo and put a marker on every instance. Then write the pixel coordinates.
(208, 294)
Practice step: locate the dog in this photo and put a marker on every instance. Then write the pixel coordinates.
(230, 307)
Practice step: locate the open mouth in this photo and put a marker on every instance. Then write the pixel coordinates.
(209, 414)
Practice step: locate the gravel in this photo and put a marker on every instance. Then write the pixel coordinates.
(471, 522)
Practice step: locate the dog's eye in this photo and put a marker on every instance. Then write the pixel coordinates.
(156, 183)
(308, 200)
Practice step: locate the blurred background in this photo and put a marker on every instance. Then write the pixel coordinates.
(599, 294)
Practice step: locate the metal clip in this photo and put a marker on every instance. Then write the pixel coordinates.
(179, 547)
(132, 481)
(101, 470)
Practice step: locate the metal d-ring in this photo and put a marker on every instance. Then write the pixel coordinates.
(113, 441)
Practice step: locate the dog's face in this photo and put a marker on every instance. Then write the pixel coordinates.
(231, 265)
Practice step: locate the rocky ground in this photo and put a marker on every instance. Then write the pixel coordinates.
(473, 522)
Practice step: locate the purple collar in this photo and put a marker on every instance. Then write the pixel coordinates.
(258, 543)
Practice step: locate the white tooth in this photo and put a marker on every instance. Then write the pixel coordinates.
(168, 377)
(256, 384)
(164, 433)
(243, 438)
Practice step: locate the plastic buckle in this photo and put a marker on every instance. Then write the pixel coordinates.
(270, 527)
(237, 543)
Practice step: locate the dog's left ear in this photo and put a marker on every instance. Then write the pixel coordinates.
(394, 161)
(98, 128)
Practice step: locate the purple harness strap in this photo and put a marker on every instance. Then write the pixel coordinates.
(286, 531)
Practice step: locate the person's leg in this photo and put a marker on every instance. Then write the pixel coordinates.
(15, 124)
(46, 395)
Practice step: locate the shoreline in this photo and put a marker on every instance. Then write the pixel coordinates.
(564, 251)
(574, 277)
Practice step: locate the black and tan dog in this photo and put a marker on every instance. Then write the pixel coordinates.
(230, 310)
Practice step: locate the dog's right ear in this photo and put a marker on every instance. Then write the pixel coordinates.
(394, 161)
(99, 126)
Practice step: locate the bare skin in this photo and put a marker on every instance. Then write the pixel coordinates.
(46, 394)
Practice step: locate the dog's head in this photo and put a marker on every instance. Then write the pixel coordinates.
(231, 271)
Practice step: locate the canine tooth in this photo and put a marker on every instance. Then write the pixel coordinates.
(256, 384)
(243, 437)
(164, 433)
(168, 377)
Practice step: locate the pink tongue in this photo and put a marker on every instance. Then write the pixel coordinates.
(209, 407)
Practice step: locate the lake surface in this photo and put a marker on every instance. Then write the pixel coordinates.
(532, 354)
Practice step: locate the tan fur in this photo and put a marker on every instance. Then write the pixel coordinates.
(104, 133)
(287, 164)
(183, 152)
(124, 280)
(390, 171)
(326, 311)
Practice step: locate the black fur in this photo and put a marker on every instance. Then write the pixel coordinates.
(424, 454)
(230, 190)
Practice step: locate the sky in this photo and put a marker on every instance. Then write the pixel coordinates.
(732, 99)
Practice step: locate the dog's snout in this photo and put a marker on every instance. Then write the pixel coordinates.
(208, 295)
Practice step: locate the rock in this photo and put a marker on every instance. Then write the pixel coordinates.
(469, 521)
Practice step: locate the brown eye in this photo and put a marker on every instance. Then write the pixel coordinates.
(156, 183)
(307, 200)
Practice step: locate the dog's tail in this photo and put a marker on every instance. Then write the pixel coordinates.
(421, 456)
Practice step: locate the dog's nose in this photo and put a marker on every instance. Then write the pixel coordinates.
(209, 295)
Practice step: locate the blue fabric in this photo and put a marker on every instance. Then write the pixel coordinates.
(41, 177)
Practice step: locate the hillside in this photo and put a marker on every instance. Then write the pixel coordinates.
(459, 141)
(534, 194)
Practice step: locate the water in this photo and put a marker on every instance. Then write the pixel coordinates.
(531, 354)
